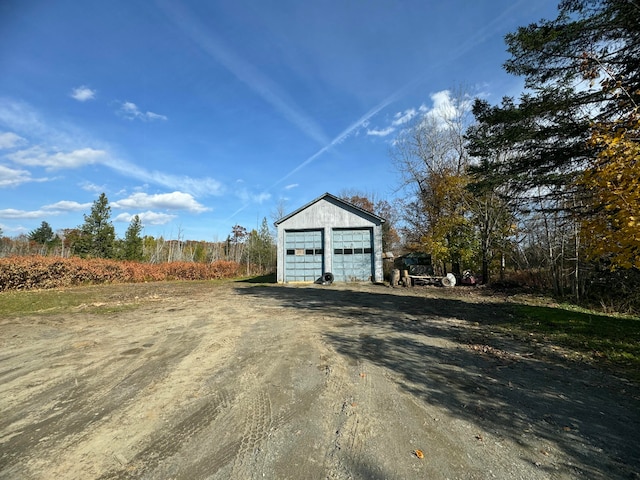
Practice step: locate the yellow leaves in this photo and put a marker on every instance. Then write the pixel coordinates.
(613, 230)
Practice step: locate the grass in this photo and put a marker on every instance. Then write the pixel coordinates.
(43, 301)
(106, 299)
(611, 340)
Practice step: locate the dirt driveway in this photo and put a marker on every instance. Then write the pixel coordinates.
(249, 381)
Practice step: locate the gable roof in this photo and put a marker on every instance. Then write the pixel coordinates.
(335, 200)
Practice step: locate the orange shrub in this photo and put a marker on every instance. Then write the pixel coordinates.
(21, 273)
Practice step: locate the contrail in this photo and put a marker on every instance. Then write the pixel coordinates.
(247, 73)
(340, 138)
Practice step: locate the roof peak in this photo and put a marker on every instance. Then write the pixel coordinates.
(335, 198)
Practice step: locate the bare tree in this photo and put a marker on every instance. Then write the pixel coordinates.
(431, 160)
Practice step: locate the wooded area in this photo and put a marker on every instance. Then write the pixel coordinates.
(543, 187)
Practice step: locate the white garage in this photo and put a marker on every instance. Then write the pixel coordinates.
(329, 236)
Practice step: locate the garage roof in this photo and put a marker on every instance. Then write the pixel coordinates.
(334, 199)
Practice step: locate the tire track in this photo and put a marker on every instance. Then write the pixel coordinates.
(173, 440)
(78, 405)
(258, 422)
(353, 424)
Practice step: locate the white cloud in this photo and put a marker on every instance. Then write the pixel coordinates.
(199, 187)
(154, 116)
(130, 110)
(82, 94)
(13, 213)
(167, 201)
(442, 104)
(67, 206)
(261, 197)
(249, 197)
(45, 211)
(401, 118)
(155, 218)
(446, 109)
(74, 148)
(39, 157)
(443, 109)
(380, 133)
(24, 120)
(146, 218)
(10, 140)
(10, 177)
(289, 187)
(92, 187)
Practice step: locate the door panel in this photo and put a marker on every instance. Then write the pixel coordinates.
(352, 255)
(303, 256)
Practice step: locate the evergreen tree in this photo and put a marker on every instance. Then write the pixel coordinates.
(580, 67)
(546, 141)
(97, 234)
(566, 147)
(235, 243)
(132, 245)
(267, 246)
(42, 235)
(592, 47)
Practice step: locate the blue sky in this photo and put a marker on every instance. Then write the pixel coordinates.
(199, 115)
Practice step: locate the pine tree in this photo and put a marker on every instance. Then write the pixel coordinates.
(132, 245)
(42, 235)
(566, 147)
(97, 234)
(581, 67)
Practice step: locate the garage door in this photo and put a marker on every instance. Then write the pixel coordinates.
(303, 256)
(352, 255)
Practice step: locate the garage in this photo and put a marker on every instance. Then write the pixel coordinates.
(352, 255)
(303, 256)
(329, 236)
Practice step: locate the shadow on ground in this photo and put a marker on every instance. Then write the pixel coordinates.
(443, 351)
(267, 278)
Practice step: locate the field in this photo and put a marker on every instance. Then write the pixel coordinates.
(242, 380)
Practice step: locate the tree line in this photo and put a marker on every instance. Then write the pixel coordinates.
(547, 183)
(96, 238)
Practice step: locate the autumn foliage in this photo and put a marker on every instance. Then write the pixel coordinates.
(612, 232)
(21, 273)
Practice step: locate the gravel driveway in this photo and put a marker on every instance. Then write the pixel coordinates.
(246, 381)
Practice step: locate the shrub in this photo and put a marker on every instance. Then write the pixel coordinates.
(22, 273)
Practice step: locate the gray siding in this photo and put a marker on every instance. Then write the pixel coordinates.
(327, 214)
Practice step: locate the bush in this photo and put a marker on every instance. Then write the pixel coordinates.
(614, 291)
(524, 280)
(23, 273)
